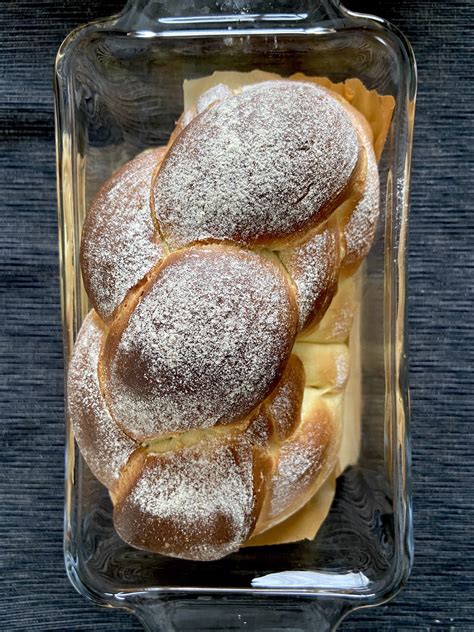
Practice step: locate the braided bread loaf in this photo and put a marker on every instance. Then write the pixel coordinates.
(199, 392)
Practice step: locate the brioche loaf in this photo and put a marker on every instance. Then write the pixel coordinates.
(199, 390)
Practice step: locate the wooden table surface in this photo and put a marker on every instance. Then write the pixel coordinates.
(34, 591)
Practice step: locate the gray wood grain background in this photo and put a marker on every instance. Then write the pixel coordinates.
(34, 591)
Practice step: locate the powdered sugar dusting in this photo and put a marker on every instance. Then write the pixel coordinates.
(300, 462)
(314, 268)
(360, 229)
(216, 93)
(338, 328)
(257, 167)
(205, 345)
(201, 495)
(119, 246)
(212, 334)
(298, 466)
(104, 446)
(282, 408)
(284, 404)
(342, 370)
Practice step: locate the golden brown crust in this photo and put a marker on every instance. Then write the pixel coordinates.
(119, 245)
(206, 343)
(359, 231)
(250, 169)
(198, 503)
(283, 405)
(314, 269)
(314, 263)
(303, 461)
(358, 215)
(273, 437)
(103, 445)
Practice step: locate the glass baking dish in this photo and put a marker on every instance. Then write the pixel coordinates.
(118, 85)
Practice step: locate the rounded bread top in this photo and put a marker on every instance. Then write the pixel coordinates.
(360, 229)
(260, 168)
(304, 458)
(104, 446)
(314, 268)
(358, 222)
(119, 245)
(198, 503)
(206, 343)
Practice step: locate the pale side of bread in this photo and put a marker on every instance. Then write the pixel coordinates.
(352, 403)
(326, 365)
(336, 323)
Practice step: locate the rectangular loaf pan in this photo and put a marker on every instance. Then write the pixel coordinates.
(118, 85)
